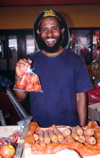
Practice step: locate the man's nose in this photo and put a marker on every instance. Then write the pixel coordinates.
(49, 33)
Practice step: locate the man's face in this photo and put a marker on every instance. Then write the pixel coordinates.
(50, 34)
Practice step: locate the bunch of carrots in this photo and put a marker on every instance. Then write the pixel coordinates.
(68, 135)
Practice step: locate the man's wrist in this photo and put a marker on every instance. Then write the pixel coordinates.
(17, 78)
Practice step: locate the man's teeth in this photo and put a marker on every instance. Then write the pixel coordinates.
(50, 40)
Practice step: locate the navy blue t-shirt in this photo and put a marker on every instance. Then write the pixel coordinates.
(61, 78)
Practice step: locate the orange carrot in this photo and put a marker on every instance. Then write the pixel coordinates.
(89, 131)
(97, 134)
(53, 137)
(69, 139)
(81, 139)
(40, 133)
(67, 132)
(79, 130)
(90, 139)
(58, 133)
(36, 136)
(43, 144)
(46, 137)
(75, 135)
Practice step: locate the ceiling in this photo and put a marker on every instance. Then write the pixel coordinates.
(45, 2)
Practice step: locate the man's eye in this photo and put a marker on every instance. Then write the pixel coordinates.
(54, 28)
(44, 30)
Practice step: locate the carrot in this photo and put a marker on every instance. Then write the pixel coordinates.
(79, 130)
(69, 139)
(58, 133)
(90, 139)
(40, 133)
(36, 136)
(81, 139)
(53, 137)
(46, 137)
(75, 135)
(43, 144)
(97, 134)
(67, 132)
(89, 131)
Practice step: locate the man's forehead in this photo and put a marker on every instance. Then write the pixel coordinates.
(49, 20)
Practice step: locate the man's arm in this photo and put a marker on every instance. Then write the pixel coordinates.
(81, 108)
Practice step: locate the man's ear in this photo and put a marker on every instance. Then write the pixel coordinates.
(62, 30)
(38, 32)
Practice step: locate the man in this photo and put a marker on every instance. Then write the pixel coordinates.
(62, 73)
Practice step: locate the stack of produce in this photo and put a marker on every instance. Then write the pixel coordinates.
(43, 137)
(8, 144)
(84, 140)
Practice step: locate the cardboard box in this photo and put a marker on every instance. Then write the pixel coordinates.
(94, 112)
(5, 131)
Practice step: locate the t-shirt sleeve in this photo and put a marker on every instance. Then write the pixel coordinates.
(82, 79)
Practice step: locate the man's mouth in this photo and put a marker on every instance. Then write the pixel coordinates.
(50, 40)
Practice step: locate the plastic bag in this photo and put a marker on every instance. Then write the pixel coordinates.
(29, 81)
(13, 138)
(94, 95)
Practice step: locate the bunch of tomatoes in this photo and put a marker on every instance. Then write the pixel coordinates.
(29, 82)
(8, 145)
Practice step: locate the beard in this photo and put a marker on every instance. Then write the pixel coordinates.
(54, 48)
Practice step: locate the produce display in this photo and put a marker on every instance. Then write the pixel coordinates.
(8, 145)
(84, 140)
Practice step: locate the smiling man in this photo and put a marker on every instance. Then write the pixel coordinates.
(62, 73)
(51, 35)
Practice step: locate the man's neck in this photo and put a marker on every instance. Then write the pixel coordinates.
(54, 54)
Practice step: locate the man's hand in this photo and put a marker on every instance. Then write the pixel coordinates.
(22, 66)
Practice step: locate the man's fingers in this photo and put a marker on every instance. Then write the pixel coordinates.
(30, 61)
(24, 62)
(22, 66)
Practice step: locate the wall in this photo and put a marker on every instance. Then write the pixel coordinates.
(21, 17)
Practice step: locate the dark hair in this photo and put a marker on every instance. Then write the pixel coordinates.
(62, 23)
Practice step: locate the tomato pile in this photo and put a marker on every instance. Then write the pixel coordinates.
(29, 82)
(8, 145)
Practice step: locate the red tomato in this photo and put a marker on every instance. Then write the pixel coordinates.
(7, 151)
(21, 84)
(34, 79)
(1, 142)
(37, 87)
(25, 76)
(29, 87)
(13, 139)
